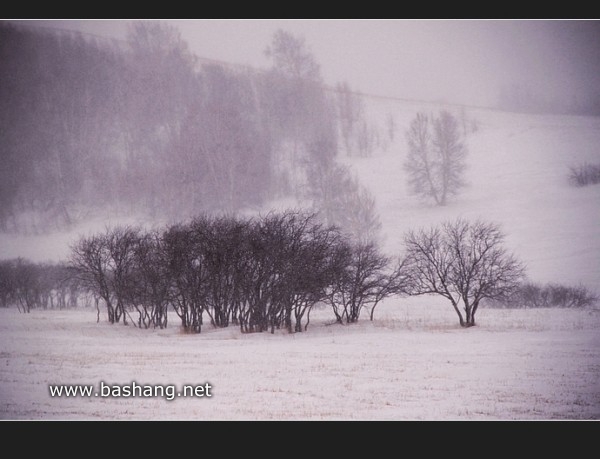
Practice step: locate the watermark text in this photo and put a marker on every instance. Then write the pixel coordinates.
(168, 392)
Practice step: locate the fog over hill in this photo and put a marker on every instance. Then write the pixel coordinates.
(457, 61)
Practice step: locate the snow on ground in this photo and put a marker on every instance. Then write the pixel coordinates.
(413, 362)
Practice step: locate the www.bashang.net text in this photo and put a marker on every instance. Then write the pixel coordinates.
(168, 392)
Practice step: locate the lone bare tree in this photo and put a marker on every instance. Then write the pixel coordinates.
(463, 262)
(350, 112)
(436, 157)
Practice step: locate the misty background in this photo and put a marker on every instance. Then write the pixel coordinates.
(175, 118)
(455, 61)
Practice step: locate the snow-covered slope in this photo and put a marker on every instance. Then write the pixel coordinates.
(517, 176)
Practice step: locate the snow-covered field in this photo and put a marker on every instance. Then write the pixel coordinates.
(412, 362)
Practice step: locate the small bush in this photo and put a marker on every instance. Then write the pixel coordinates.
(530, 295)
(585, 174)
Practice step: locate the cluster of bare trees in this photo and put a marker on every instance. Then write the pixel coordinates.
(31, 285)
(532, 295)
(259, 274)
(268, 273)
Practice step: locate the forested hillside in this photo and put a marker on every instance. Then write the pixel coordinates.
(145, 126)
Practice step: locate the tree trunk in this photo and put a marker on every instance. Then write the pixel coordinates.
(470, 318)
(460, 317)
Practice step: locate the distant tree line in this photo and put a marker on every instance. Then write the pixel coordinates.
(143, 125)
(530, 295)
(584, 174)
(29, 285)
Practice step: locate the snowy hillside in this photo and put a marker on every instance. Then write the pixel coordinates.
(517, 176)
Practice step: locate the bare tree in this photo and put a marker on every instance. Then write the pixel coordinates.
(121, 246)
(89, 263)
(149, 281)
(360, 219)
(365, 280)
(299, 111)
(391, 126)
(184, 247)
(463, 262)
(291, 56)
(105, 265)
(350, 111)
(419, 163)
(7, 283)
(224, 255)
(342, 201)
(27, 284)
(436, 157)
(584, 174)
(312, 264)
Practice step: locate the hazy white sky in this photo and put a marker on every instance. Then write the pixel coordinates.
(463, 61)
